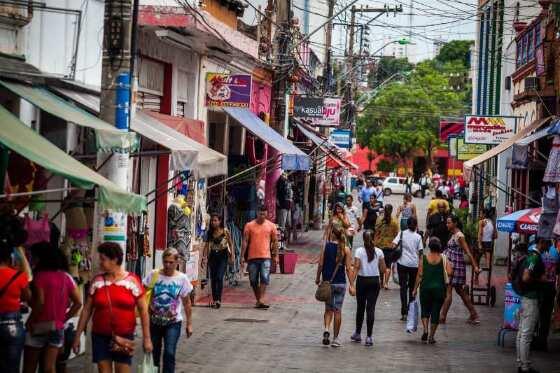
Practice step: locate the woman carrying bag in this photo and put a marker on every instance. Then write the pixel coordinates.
(433, 275)
(218, 252)
(335, 264)
(114, 296)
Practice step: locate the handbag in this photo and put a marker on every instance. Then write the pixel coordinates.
(398, 251)
(324, 290)
(118, 344)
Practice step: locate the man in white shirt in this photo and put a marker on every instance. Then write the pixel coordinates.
(410, 244)
(353, 214)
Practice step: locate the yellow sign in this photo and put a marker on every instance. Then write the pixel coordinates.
(467, 152)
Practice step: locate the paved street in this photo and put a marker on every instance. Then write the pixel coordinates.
(238, 338)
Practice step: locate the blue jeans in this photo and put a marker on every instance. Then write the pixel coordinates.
(12, 337)
(259, 272)
(170, 335)
(217, 264)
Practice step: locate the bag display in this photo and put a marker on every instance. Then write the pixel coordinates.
(412, 317)
(147, 365)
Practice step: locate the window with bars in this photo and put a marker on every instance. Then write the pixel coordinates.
(527, 45)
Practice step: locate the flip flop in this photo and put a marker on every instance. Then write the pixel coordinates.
(262, 306)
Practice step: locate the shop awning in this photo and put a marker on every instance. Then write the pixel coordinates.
(293, 159)
(335, 153)
(534, 137)
(468, 165)
(206, 161)
(186, 154)
(21, 139)
(108, 137)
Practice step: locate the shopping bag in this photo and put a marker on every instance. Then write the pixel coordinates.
(147, 364)
(395, 273)
(412, 317)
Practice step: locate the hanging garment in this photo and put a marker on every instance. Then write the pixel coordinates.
(552, 173)
(178, 230)
(546, 225)
(551, 202)
(37, 230)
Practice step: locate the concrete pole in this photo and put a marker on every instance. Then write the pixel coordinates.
(115, 109)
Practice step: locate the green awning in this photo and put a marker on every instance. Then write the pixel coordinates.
(108, 137)
(21, 139)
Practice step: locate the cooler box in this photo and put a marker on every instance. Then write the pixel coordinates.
(512, 307)
(288, 260)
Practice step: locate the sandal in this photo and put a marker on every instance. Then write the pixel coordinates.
(326, 338)
(424, 337)
(473, 320)
(262, 306)
(431, 341)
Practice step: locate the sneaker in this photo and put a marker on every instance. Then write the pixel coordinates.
(356, 338)
(369, 341)
(336, 343)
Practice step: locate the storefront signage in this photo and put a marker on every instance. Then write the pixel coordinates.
(449, 127)
(452, 146)
(308, 107)
(225, 90)
(488, 130)
(466, 152)
(341, 138)
(322, 112)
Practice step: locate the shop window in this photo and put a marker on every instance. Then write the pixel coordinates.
(180, 111)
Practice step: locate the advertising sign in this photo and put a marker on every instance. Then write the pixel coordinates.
(225, 90)
(488, 130)
(466, 151)
(308, 107)
(452, 145)
(331, 113)
(450, 127)
(341, 138)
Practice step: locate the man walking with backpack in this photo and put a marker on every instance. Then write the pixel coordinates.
(527, 280)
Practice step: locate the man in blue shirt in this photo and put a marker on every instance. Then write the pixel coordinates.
(366, 192)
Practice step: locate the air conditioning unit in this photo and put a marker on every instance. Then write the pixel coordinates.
(531, 84)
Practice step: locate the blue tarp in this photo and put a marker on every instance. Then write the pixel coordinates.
(293, 159)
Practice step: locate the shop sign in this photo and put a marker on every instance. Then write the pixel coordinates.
(452, 146)
(489, 130)
(331, 113)
(449, 128)
(226, 90)
(341, 138)
(505, 225)
(308, 107)
(467, 152)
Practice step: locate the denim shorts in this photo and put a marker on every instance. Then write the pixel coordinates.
(100, 345)
(54, 338)
(337, 297)
(259, 272)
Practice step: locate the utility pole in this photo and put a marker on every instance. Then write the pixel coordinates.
(284, 63)
(327, 70)
(115, 109)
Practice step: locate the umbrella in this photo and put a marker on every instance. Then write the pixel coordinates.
(522, 221)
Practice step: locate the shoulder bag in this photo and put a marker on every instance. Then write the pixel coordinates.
(10, 281)
(398, 251)
(118, 345)
(324, 290)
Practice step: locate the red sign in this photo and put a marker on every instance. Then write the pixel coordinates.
(449, 127)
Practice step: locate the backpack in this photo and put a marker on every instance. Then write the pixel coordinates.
(517, 276)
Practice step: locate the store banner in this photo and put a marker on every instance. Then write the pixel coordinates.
(308, 107)
(467, 152)
(452, 146)
(226, 90)
(331, 113)
(489, 130)
(448, 127)
(341, 138)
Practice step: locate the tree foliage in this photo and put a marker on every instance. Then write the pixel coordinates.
(404, 115)
(386, 67)
(456, 50)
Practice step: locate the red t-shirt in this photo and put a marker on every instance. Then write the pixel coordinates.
(124, 294)
(10, 301)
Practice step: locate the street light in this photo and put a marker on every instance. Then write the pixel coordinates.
(402, 41)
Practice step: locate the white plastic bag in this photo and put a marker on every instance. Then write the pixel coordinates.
(147, 365)
(412, 317)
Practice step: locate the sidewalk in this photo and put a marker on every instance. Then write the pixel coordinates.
(239, 338)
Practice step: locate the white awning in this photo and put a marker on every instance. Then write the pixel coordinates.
(186, 154)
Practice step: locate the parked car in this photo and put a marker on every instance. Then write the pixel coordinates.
(397, 185)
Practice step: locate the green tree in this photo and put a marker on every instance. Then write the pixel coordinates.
(455, 50)
(386, 67)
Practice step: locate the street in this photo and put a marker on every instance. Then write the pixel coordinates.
(287, 337)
